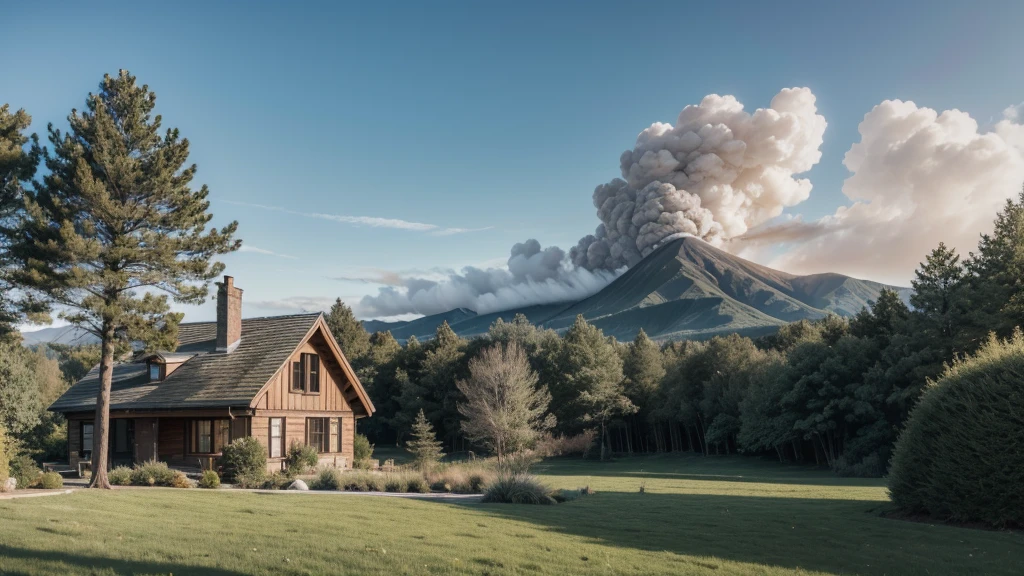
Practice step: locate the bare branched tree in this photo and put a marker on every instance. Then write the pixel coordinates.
(505, 409)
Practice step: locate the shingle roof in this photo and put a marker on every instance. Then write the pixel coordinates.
(208, 380)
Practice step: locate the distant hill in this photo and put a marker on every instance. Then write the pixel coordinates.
(684, 289)
(58, 335)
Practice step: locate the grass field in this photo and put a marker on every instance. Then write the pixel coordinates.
(698, 516)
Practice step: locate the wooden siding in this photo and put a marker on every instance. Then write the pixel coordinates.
(295, 432)
(171, 441)
(333, 383)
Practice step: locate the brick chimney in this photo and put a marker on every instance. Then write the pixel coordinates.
(229, 315)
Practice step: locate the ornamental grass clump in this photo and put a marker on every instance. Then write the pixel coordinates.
(326, 479)
(518, 489)
(179, 480)
(961, 455)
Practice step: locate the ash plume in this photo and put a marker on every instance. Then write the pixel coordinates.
(715, 173)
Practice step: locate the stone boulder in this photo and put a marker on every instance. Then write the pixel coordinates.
(298, 485)
(9, 485)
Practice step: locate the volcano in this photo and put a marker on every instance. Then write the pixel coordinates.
(684, 289)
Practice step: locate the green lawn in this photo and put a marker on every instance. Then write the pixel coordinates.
(698, 516)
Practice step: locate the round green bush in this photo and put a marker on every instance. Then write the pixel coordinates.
(245, 457)
(961, 455)
(209, 480)
(49, 481)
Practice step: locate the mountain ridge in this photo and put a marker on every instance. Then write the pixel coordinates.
(685, 288)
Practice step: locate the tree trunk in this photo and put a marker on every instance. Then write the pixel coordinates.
(603, 441)
(101, 435)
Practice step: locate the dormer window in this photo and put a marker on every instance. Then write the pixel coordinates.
(156, 372)
(306, 374)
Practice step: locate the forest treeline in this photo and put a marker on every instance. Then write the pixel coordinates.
(835, 391)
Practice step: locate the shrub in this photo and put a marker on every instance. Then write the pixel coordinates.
(460, 478)
(244, 457)
(518, 463)
(961, 455)
(179, 480)
(49, 481)
(279, 480)
(152, 473)
(301, 457)
(209, 480)
(394, 482)
(326, 479)
(362, 449)
(417, 484)
(120, 476)
(578, 445)
(251, 479)
(23, 469)
(518, 489)
(354, 482)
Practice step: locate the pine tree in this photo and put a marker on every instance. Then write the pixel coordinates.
(349, 332)
(115, 228)
(17, 166)
(425, 446)
(643, 369)
(590, 388)
(996, 286)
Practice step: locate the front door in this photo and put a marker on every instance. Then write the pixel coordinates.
(145, 439)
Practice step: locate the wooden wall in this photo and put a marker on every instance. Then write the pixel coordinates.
(333, 384)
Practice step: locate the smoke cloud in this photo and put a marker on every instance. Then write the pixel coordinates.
(533, 276)
(714, 174)
(919, 177)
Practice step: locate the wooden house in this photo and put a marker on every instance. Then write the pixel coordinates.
(281, 379)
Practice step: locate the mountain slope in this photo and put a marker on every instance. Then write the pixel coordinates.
(688, 288)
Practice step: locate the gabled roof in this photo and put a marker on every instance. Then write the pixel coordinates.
(208, 379)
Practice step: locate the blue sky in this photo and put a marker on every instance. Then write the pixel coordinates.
(501, 116)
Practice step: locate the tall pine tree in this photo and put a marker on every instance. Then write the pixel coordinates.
(17, 166)
(348, 331)
(115, 228)
(590, 390)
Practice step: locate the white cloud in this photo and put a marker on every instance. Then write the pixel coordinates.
(255, 250)
(296, 304)
(919, 177)
(371, 221)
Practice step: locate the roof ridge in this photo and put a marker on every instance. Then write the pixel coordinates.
(302, 315)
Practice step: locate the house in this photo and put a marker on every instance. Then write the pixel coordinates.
(281, 379)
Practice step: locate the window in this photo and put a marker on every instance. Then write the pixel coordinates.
(335, 447)
(155, 372)
(276, 437)
(312, 362)
(124, 435)
(86, 449)
(209, 436)
(316, 433)
(306, 374)
(297, 384)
